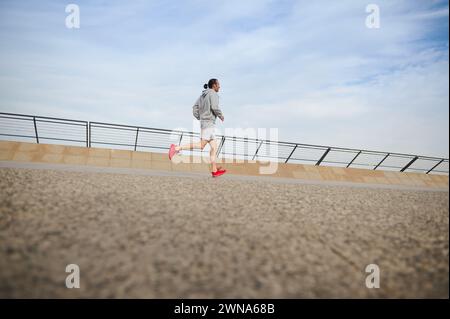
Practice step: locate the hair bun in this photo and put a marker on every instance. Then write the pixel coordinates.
(205, 86)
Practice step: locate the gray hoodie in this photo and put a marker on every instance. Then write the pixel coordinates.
(206, 109)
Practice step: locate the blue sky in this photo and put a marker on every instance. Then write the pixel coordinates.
(312, 69)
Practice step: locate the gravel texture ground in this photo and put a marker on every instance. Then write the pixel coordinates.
(150, 236)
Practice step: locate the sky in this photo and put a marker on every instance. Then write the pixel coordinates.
(312, 69)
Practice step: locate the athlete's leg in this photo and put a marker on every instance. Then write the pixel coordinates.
(212, 154)
(191, 146)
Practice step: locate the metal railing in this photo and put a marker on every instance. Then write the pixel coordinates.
(43, 129)
(96, 134)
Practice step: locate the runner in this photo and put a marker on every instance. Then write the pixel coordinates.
(206, 110)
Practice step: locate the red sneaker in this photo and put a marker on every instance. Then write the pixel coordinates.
(218, 172)
(172, 151)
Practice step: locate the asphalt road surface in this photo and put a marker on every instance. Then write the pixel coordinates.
(157, 236)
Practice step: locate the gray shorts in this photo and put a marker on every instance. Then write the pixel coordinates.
(208, 133)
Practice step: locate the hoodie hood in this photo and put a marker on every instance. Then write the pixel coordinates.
(206, 92)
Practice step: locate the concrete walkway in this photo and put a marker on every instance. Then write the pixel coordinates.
(151, 172)
(149, 234)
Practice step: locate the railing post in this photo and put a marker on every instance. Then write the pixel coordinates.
(90, 134)
(287, 159)
(35, 129)
(220, 146)
(353, 159)
(135, 141)
(435, 166)
(257, 150)
(245, 148)
(323, 156)
(409, 164)
(87, 135)
(381, 161)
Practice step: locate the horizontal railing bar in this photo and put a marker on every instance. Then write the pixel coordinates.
(18, 129)
(363, 164)
(113, 137)
(107, 143)
(41, 117)
(114, 128)
(45, 138)
(130, 145)
(389, 166)
(15, 135)
(224, 153)
(135, 127)
(17, 118)
(82, 124)
(417, 169)
(63, 134)
(61, 139)
(60, 130)
(333, 162)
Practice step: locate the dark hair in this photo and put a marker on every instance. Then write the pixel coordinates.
(210, 84)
